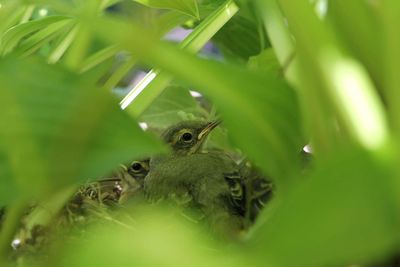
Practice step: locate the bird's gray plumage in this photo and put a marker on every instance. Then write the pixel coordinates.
(229, 195)
(198, 180)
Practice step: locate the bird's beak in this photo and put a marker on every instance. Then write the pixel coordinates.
(209, 127)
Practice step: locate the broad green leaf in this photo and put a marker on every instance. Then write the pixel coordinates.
(174, 104)
(188, 7)
(266, 61)
(341, 214)
(15, 34)
(58, 129)
(363, 18)
(156, 238)
(390, 53)
(337, 85)
(241, 38)
(107, 3)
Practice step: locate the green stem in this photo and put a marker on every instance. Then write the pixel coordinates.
(44, 213)
(153, 84)
(12, 221)
(28, 13)
(336, 86)
(118, 74)
(317, 125)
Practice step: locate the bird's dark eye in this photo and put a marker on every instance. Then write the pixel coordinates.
(187, 137)
(136, 166)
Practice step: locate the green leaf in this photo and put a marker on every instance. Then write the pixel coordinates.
(57, 129)
(341, 214)
(10, 13)
(158, 237)
(42, 37)
(174, 104)
(364, 45)
(14, 35)
(99, 57)
(334, 83)
(241, 38)
(188, 7)
(62, 44)
(266, 61)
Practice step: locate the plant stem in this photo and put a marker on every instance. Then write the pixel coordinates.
(12, 221)
(154, 85)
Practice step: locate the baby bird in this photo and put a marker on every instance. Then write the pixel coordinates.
(132, 178)
(196, 178)
(187, 137)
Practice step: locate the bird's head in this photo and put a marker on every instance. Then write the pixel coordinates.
(138, 169)
(187, 137)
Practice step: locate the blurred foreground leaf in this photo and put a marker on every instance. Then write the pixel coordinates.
(342, 214)
(160, 237)
(265, 61)
(14, 35)
(57, 129)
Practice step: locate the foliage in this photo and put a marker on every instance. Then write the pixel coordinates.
(291, 73)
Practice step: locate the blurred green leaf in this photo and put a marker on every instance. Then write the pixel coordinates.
(10, 14)
(363, 18)
(188, 7)
(62, 43)
(14, 35)
(57, 129)
(266, 61)
(158, 237)
(341, 214)
(390, 16)
(42, 37)
(335, 85)
(99, 57)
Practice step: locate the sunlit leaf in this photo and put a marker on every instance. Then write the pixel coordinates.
(365, 44)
